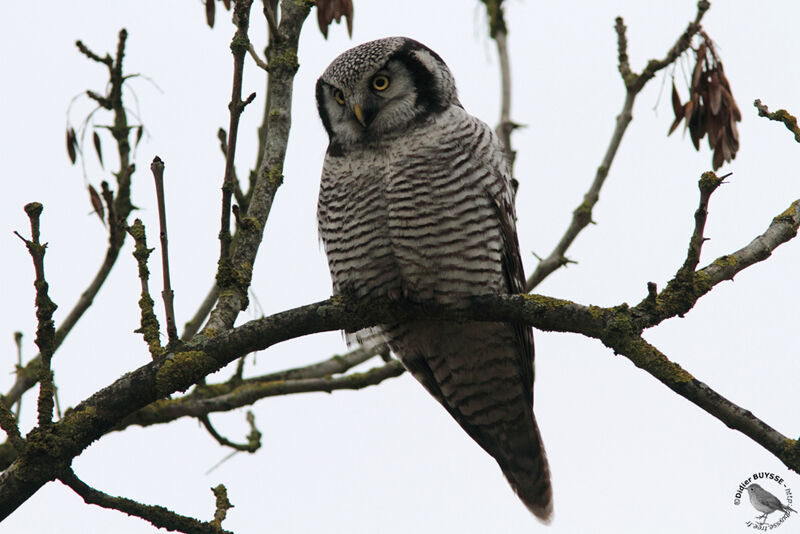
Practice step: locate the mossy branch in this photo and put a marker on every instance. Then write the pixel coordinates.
(149, 327)
(619, 327)
(45, 330)
(789, 120)
(158, 516)
(283, 65)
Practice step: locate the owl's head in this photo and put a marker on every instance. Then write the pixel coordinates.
(380, 87)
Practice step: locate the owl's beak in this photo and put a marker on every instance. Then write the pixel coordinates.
(359, 115)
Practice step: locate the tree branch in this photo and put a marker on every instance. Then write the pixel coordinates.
(282, 60)
(239, 46)
(789, 120)
(118, 214)
(157, 168)
(46, 330)
(148, 323)
(159, 516)
(634, 83)
(250, 391)
(618, 327)
(253, 439)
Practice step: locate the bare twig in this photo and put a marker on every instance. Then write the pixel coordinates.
(259, 62)
(157, 167)
(157, 515)
(239, 47)
(46, 330)
(250, 391)
(708, 183)
(582, 215)
(18, 343)
(194, 324)
(238, 194)
(335, 365)
(253, 439)
(790, 121)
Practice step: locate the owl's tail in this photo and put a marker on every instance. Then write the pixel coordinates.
(526, 469)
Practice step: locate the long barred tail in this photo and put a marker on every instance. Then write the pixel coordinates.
(528, 472)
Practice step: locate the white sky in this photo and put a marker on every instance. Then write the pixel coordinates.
(627, 455)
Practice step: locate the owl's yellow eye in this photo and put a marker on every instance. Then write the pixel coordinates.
(380, 82)
(338, 96)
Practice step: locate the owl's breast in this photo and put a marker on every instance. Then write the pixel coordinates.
(415, 216)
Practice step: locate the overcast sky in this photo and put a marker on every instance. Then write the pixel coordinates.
(626, 454)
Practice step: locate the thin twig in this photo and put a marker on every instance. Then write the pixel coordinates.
(708, 183)
(789, 120)
(582, 215)
(157, 167)
(259, 62)
(239, 47)
(248, 392)
(157, 515)
(253, 439)
(194, 324)
(46, 330)
(18, 343)
(238, 194)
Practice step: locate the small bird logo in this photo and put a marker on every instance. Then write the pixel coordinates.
(765, 502)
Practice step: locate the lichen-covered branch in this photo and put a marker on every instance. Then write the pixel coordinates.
(789, 120)
(283, 64)
(9, 424)
(159, 516)
(148, 326)
(651, 360)
(49, 450)
(708, 183)
(683, 291)
(209, 398)
(239, 47)
(46, 330)
(634, 83)
(250, 391)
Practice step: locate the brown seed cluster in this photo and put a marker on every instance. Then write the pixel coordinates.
(329, 10)
(711, 110)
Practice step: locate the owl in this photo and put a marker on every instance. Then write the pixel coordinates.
(415, 204)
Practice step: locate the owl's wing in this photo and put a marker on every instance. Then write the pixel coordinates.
(515, 281)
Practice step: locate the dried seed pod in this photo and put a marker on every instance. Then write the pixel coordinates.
(71, 145)
(97, 204)
(330, 10)
(711, 110)
(97, 147)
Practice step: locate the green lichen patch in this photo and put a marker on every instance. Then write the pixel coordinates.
(790, 455)
(181, 370)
